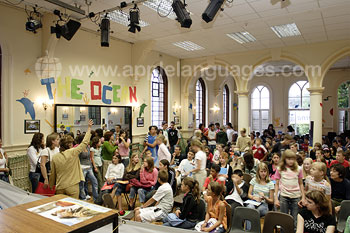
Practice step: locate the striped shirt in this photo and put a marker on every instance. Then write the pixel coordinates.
(323, 185)
(289, 182)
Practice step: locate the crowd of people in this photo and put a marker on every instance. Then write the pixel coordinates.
(284, 173)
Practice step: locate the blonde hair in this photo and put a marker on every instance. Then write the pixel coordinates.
(262, 166)
(197, 143)
(162, 138)
(306, 173)
(225, 156)
(321, 167)
(132, 167)
(288, 154)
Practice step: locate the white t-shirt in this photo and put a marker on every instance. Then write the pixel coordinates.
(211, 135)
(3, 160)
(164, 195)
(33, 156)
(235, 195)
(163, 153)
(186, 166)
(48, 152)
(229, 133)
(115, 171)
(200, 155)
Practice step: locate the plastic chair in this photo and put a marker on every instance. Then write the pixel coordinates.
(229, 217)
(344, 213)
(242, 214)
(274, 218)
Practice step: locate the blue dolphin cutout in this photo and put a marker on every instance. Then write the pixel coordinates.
(29, 107)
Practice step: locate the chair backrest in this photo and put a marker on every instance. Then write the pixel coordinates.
(344, 213)
(247, 178)
(274, 218)
(229, 217)
(242, 214)
(202, 210)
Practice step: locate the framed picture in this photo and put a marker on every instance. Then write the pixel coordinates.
(31, 126)
(82, 117)
(64, 116)
(140, 122)
(177, 120)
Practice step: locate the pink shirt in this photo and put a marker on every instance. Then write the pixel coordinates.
(123, 150)
(148, 179)
(289, 182)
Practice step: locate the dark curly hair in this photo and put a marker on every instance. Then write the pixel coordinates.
(37, 141)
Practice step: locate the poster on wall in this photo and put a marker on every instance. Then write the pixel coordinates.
(68, 211)
(82, 117)
(140, 122)
(177, 120)
(31, 126)
(65, 116)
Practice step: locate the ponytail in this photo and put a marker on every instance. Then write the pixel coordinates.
(194, 187)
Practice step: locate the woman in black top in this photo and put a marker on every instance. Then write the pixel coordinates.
(316, 217)
(340, 185)
(189, 210)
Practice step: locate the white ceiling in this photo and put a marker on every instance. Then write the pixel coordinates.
(317, 20)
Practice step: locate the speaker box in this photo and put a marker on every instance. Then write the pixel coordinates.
(70, 29)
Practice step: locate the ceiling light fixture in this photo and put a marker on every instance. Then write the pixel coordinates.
(188, 45)
(286, 30)
(67, 30)
(211, 10)
(34, 21)
(242, 37)
(183, 16)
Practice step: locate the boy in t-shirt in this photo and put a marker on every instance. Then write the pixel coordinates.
(164, 199)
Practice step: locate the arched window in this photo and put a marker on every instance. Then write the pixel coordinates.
(299, 107)
(200, 102)
(0, 92)
(159, 96)
(344, 106)
(226, 105)
(260, 107)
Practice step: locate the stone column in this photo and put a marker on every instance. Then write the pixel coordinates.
(316, 112)
(243, 110)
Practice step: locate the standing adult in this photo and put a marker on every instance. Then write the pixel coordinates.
(271, 131)
(66, 172)
(174, 137)
(221, 136)
(199, 173)
(124, 147)
(33, 152)
(107, 152)
(165, 132)
(284, 145)
(46, 155)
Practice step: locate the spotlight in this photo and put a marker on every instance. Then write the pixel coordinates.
(104, 27)
(182, 14)
(32, 25)
(67, 30)
(213, 8)
(134, 16)
(34, 21)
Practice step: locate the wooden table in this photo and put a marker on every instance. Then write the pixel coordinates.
(19, 219)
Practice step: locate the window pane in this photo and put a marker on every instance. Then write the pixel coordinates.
(264, 120)
(255, 99)
(265, 98)
(157, 98)
(300, 120)
(255, 120)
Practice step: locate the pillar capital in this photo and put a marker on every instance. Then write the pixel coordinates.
(315, 90)
(242, 93)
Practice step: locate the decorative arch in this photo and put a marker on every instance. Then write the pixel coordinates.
(326, 65)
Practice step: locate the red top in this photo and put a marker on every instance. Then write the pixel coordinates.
(207, 181)
(345, 163)
(260, 151)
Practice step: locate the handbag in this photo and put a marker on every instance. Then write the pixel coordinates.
(47, 165)
(45, 192)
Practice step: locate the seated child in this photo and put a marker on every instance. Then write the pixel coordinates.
(214, 176)
(164, 202)
(189, 210)
(185, 167)
(215, 219)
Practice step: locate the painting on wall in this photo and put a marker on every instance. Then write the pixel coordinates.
(177, 120)
(82, 118)
(31, 126)
(65, 116)
(140, 122)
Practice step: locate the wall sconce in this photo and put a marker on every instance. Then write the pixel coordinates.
(114, 110)
(82, 109)
(44, 102)
(215, 108)
(176, 107)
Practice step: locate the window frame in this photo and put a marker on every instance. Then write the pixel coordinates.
(346, 110)
(260, 110)
(203, 104)
(162, 82)
(226, 105)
